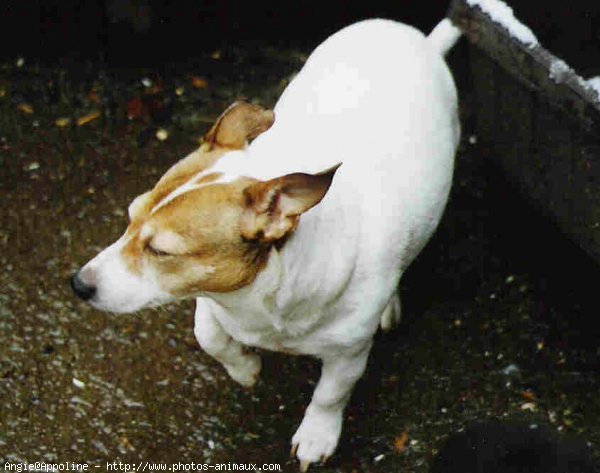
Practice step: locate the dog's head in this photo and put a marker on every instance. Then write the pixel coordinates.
(199, 230)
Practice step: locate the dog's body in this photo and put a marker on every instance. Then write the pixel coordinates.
(376, 97)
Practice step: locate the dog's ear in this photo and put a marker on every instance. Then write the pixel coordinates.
(137, 205)
(238, 124)
(273, 208)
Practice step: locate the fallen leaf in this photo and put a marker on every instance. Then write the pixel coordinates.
(399, 443)
(25, 108)
(199, 83)
(528, 395)
(90, 117)
(125, 443)
(216, 54)
(62, 122)
(134, 108)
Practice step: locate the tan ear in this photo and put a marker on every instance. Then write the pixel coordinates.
(273, 208)
(138, 204)
(238, 124)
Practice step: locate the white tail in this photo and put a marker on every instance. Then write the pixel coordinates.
(444, 36)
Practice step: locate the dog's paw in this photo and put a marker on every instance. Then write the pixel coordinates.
(246, 370)
(391, 315)
(316, 438)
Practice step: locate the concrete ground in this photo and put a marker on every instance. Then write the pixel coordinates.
(500, 312)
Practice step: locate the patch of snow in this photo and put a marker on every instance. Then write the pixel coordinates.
(594, 84)
(559, 70)
(502, 14)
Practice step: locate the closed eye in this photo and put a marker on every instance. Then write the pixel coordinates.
(155, 251)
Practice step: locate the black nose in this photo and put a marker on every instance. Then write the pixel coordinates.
(81, 289)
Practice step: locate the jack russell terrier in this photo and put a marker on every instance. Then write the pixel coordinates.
(297, 241)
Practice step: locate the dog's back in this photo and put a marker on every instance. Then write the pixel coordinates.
(378, 97)
(374, 89)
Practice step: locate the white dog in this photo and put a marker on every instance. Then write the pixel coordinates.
(368, 131)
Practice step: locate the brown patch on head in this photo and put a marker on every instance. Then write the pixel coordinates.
(180, 173)
(217, 238)
(237, 125)
(193, 243)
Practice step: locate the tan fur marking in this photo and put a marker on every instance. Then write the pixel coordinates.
(169, 242)
(191, 184)
(131, 253)
(207, 252)
(208, 220)
(238, 124)
(273, 208)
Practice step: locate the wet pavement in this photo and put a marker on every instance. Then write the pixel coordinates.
(500, 311)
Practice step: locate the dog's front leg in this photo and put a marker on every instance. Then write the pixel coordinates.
(318, 434)
(242, 366)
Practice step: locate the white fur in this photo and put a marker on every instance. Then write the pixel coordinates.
(118, 289)
(378, 97)
(444, 35)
